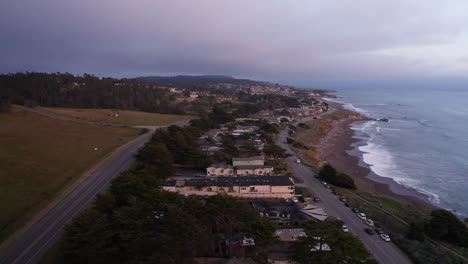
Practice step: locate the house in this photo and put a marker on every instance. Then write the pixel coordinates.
(253, 170)
(248, 186)
(194, 95)
(250, 161)
(290, 234)
(220, 170)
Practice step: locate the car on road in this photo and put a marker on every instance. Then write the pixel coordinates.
(298, 161)
(345, 229)
(368, 231)
(343, 199)
(295, 199)
(361, 216)
(369, 222)
(316, 198)
(355, 210)
(347, 204)
(379, 231)
(385, 237)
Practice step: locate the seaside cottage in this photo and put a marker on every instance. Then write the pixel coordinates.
(220, 169)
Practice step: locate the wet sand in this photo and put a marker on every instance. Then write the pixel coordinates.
(339, 148)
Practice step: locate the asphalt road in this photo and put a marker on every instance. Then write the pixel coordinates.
(32, 244)
(384, 252)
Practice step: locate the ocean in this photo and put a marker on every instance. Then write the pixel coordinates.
(424, 146)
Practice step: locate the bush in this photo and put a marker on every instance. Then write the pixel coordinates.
(447, 227)
(328, 173)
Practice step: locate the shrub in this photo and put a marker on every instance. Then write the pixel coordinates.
(329, 174)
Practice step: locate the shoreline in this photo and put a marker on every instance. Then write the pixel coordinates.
(340, 148)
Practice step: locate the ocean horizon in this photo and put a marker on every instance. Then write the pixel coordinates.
(423, 146)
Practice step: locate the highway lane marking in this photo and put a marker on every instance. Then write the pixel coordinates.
(94, 185)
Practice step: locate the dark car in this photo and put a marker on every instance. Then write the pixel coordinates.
(343, 199)
(379, 231)
(347, 204)
(355, 210)
(316, 198)
(368, 231)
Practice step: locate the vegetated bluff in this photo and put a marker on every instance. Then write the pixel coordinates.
(87, 91)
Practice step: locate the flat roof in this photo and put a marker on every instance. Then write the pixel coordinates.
(221, 166)
(252, 167)
(248, 158)
(234, 181)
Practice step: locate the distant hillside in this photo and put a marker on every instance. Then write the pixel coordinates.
(194, 81)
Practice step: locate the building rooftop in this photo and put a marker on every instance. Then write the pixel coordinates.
(252, 167)
(221, 166)
(233, 181)
(248, 158)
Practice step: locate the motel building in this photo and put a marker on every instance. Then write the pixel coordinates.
(246, 186)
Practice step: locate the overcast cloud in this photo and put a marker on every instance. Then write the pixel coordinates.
(290, 40)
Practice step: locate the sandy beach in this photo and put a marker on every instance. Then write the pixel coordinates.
(339, 148)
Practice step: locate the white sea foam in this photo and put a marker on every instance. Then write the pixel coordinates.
(348, 106)
(351, 107)
(382, 163)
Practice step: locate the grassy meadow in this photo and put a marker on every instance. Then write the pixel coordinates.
(120, 117)
(39, 156)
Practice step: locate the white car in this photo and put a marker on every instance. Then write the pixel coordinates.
(385, 237)
(345, 229)
(369, 222)
(294, 199)
(361, 216)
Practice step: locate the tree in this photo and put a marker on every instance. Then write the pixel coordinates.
(344, 248)
(416, 232)
(229, 146)
(446, 226)
(4, 105)
(89, 240)
(157, 157)
(329, 174)
(274, 151)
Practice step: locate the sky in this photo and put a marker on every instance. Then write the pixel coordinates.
(292, 41)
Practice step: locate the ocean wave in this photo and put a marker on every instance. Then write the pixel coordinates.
(382, 163)
(348, 106)
(354, 108)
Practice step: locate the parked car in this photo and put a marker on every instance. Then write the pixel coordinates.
(369, 222)
(298, 161)
(294, 199)
(347, 204)
(379, 231)
(355, 210)
(385, 237)
(343, 199)
(345, 229)
(361, 216)
(368, 231)
(316, 198)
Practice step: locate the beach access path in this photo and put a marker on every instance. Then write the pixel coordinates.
(38, 237)
(383, 252)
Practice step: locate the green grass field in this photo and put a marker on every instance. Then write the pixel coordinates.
(121, 117)
(39, 156)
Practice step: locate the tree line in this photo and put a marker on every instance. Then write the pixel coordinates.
(87, 91)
